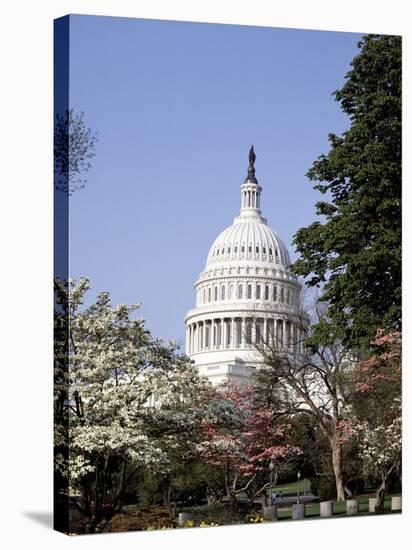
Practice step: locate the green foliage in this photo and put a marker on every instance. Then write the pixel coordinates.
(355, 253)
(313, 444)
(324, 487)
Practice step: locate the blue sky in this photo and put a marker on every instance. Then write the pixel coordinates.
(176, 107)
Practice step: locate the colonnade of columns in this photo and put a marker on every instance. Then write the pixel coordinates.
(250, 198)
(240, 332)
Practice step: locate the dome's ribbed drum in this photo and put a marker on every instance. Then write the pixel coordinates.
(245, 295)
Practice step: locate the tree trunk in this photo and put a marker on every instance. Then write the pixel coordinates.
(168, 494)
(337, 467)
(233, 502)
(380, 494)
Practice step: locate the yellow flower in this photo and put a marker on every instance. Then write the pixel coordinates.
(190, 523)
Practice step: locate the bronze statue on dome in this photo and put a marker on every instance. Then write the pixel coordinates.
(252, 157)
(251, 178)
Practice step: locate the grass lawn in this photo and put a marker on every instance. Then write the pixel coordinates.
(292, 488)
(218, 514)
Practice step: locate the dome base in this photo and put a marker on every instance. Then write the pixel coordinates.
(231, 371)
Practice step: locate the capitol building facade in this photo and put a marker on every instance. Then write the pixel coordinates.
(246, 297)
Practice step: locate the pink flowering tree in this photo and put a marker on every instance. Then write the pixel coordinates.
(377, 410)
(242, 440)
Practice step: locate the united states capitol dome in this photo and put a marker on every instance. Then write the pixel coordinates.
(246, 294)
(248, 239)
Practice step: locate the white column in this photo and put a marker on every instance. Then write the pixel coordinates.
(234, 339)
(187, 340)
(290, 334)
(280, 334)
(202, 339)
(194, 338)
(212, 337)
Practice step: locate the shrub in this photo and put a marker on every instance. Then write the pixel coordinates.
(324, 487)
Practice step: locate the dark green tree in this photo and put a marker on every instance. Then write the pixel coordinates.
(354, 253)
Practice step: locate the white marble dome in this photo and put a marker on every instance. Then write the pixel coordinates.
(245, 294)
(250, 239)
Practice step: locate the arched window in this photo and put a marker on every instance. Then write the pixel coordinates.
(282, 294)
(230, 296)
(266, 292)
(235, 249)
(249, 292)
(250, 249)
(288, 296)
(228, 250)
(275, 293)
(210, 295)
(223, 292)
(223, 251)
(264, 250)
(217, 252)
(257, 292)
(240, 292)
(270, 251)
(207, 336)
(215, 293)
(204, 295)
(257, 250)
(243, 248)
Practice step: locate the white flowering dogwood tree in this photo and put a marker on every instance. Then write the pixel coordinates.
(122, 400)
(376, 409)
